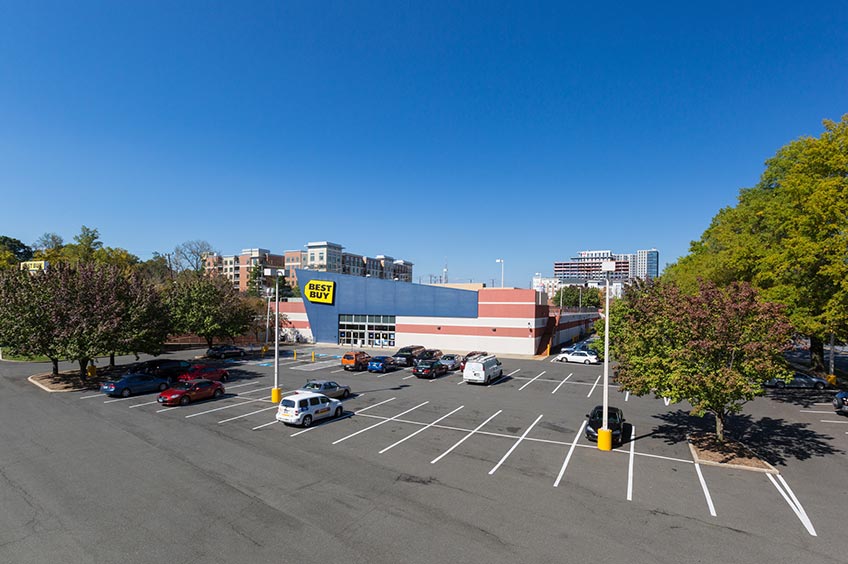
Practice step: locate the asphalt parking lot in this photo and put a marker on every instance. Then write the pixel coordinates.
(426, 471)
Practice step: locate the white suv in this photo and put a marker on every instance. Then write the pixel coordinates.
(303, 408)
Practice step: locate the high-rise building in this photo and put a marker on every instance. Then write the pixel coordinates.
(325, 256)
(587, 265)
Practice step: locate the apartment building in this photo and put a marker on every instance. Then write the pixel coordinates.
(326, 256)
(237, 268)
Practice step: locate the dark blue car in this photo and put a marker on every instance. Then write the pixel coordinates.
(381, 364)
(130, 384)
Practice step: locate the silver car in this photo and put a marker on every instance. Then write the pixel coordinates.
(327, 387)
(452, 361)
(799, 380)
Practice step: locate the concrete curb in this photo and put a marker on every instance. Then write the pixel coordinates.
(45, 388)
(770, 470)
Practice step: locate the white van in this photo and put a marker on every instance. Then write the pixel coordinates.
(482, 370)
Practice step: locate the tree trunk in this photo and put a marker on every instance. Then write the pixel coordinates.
(209, 342)
(111, 360)
(816, 354)
(719, 423)
(83, 364)
(55, 362)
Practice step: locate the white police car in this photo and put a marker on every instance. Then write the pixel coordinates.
(303, 408)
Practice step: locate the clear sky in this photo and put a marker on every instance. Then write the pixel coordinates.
(430, 131)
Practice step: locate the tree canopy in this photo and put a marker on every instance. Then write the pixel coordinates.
(788, 237)
(713, 348)
(575, 296)
(207, 306)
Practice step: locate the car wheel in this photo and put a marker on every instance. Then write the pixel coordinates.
(126, 392)
(384, 370)
(163, 386)
(218, 393)
(339, 412)
(345, 395)
(307, 421)
(241, 354)
(819, 386)
(185, 400)
(585, 362)
(780, 385)
(225, 378)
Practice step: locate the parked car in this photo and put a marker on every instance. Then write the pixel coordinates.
(451, 361)
(224, 351)
(327, 387)
(381, 364)
(406, 355)
(355, 360)
(428, 354)
(303, 408)
(168, 368)
(584, 357)
(430, 368)
(183, 393)
(201, 372)
(130, 384)
(615, 423)
(471, 355)
(799, 380)
(840, 403)
(482, 369)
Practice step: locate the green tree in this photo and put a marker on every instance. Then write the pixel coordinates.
(20, 251)
(27, 323)
(714, 348)
(207, 306)
(156, 270)
(788, 236)
(145, 323)
(575, 296)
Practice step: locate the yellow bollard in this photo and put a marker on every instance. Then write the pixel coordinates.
(295, 355)
(604, 439)
(91, 371)
(264, 349)
(276, 395)
(313, 356)
(831, 379)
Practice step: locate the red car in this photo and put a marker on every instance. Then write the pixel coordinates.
(183, 393)
(200, 372)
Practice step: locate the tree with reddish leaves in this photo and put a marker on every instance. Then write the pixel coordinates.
(714, 348)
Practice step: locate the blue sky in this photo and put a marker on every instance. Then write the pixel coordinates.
(430, 131)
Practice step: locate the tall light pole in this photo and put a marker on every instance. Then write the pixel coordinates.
(605, 433)
(275, 391)
(502, 270)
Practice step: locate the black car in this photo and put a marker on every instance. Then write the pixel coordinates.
(167, 368)
(224, 351)
(428, 354)
(615, 423)
(840, 403)
(431, 368)
(406, 355)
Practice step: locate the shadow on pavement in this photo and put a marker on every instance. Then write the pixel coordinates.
(775, 440)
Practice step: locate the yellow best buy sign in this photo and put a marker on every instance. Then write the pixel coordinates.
(320, 291)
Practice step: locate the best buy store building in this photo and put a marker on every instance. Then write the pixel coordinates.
(368, 312)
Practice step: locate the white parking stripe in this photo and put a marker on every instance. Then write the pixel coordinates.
(421, 429)
(595, 385)
(247, 414)
(328, 420)
(706, 490)
(630, 467)
(514, 371)
(380, 423)
(463, 439)
(833, 421)
(222, 408)
(568, 456)
(166, 409)
(408, 377)
(375, 405)
(94, 396)
(563, 382)
(531, 381)
(627, 395)
(339, 370)
(121, 399)
(143, 404)
(265, 425)
(793, 503)
(518, 442)
(812, 411)
(243, 385)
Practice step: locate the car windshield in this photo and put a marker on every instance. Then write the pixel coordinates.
(348, 357)
(181, 386)
(287, 403)
(426, 364)
(378, 359)
(312, 386)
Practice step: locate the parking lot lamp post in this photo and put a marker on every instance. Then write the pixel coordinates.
(502, 270)
(605, 433)
(275, 391)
